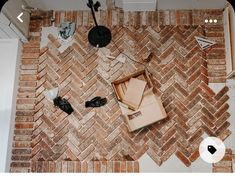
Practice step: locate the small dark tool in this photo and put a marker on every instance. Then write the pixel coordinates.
(96, 102)
(63, 104)
(211, 149)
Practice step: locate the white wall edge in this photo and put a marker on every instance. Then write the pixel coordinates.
(8, 99)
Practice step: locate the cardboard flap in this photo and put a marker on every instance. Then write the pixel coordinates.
(134, 93)
(150, 111)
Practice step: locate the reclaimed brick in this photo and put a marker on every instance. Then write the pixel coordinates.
(183, 158)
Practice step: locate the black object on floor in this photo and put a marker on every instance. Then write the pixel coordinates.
(96, 102)
(99, 36)
(63, 104)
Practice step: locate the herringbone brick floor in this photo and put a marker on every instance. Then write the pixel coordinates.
(180, 77)
(178, 69)
(118, 17)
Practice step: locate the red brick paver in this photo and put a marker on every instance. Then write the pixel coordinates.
(226, 165)
(86, 167)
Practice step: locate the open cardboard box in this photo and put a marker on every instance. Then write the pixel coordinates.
(151, 109)
(120, 85)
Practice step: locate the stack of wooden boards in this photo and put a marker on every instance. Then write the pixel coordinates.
(139, 105)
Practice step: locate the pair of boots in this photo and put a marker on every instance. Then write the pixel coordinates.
(96, 102)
